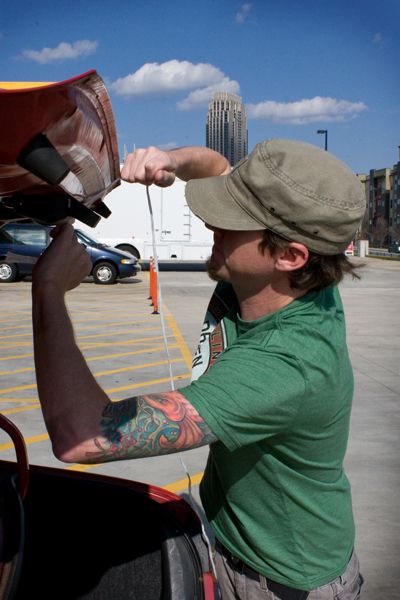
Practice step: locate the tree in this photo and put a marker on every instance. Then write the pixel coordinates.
(394, 233)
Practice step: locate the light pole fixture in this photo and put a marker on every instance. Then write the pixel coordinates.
(325, 132)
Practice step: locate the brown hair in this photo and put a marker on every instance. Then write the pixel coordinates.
(319, 272)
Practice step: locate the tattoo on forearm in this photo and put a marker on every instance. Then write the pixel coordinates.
(149, 426)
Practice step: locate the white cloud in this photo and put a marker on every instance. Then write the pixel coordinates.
(168, 146)
(201, 97)
(64, 51)
(243, 13)
(306, 110)
(171, 76)
(378, 38)
(175, 76)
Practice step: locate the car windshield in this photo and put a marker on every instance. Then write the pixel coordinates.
(5, 238)
(87, 239)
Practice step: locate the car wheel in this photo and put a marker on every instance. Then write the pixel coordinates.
(8, 272)
(130, 249)
(104, 273)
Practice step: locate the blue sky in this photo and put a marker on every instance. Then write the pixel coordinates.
(299, 66)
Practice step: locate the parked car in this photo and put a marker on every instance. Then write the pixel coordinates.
(394, 248)
(21, 244)
(158, 553)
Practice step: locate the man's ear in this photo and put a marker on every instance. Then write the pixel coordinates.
(291, 258)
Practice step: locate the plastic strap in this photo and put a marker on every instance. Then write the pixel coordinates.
(161, 311)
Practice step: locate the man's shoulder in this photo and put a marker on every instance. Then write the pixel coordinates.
(315, 302)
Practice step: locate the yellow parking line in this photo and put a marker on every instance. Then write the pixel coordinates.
(176, 332)
(99, 374)
(10, 411)
(97, 312)
(88, 358)
(16, 357)
(6, 345)
(16, 371)
(11, 327)
(103, 356)
(17, 315)
(80, 328)
(116, 333)
(95, 317)
(133, 386)
(85, 346)
(138, 341)
(30, 440)
(15, 400)
(112, 371)
(13, 411)
(95, 324)
(174, 487)
(183, 484)
(135, 367)
(28, 386)
(81, 468)
(132, 352)
(16, 335)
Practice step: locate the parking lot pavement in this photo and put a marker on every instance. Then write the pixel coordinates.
(122, 340)
(373, 458)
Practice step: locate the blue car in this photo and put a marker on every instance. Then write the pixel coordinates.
(21, 244)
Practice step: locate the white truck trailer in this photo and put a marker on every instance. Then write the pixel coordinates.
(180, 234)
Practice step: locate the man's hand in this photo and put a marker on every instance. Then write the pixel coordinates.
(148, 166)
(65, 263)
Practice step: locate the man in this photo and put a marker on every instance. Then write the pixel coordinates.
(274, 387)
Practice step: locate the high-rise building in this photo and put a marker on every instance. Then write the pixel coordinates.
(226, 129)
(381, 224)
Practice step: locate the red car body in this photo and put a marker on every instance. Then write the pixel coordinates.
(70, 535)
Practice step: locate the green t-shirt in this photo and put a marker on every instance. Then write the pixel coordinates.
(278, 397)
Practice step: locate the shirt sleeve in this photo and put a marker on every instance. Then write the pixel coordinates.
(249, 394)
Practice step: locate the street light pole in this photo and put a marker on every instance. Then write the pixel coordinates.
(325, 132)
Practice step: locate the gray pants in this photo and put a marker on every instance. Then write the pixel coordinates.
(235, 585)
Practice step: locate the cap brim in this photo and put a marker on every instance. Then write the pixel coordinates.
(210, 200)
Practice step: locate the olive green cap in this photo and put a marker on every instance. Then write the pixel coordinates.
(295, 189)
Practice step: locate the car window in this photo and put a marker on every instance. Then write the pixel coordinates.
(28, 235)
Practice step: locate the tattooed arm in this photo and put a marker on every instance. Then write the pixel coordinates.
(83, 425)
(148, 426)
